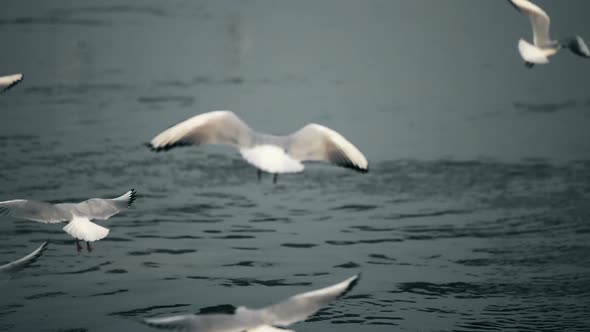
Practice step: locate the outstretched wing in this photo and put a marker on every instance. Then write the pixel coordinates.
(316, 142)
(199, 323)
(294, 309)
(7, 82)
(301, 306)
(100, 208)
(32, 210)
(539, 20)
(25, 261)
(217, 127)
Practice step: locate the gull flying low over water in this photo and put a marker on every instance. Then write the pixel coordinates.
(544, 46)
(25, 261)
(270, 153)
(282, 314)
(76, 215)
(7, 82)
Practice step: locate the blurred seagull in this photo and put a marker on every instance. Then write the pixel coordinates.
(7, 82)
(285, 313)
(269, 153)
(544, 46)
(76, 215)
(25, 261)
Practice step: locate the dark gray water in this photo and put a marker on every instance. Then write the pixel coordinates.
(474, 217)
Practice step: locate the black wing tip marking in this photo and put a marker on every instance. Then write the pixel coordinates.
(351, 285)
(43, 246)
(10, 86)
(340, 158)
(515, 6)
(4, 211)
(353, 166)
(41, 250)
(132, 197)
(166, 147)
(153, 148)
(362, 170)
(38, 253)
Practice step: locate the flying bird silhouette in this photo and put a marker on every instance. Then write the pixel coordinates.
(282, 314)
(19, 264)
(543, 46)
(269, 153)
(76, 215)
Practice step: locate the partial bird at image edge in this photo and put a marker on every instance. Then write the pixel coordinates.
(292, 310)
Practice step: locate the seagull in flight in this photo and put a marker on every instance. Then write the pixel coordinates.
(269, 153)
(7, 82)
(292, 310)
(19, 264)
(543, 46)
(76, 215)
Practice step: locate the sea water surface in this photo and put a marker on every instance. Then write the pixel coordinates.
(475, 214)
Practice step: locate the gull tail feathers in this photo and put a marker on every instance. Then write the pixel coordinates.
(271, 159)
(84, 229)
(531, 54)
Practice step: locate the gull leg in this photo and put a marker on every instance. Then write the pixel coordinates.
(88, 247)
(275, 177)
(529, 64)
(259, 174)
(78, 246)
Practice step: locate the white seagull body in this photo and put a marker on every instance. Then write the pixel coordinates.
(7, 82)
(543, 46)
(25, 261)
(76, 215)
(269, 153)
(285, 313)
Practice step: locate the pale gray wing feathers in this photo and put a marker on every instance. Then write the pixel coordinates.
(25, 261)
(316, 142)
(294, 309)
(32, 210)
(301, 306)
(217, 127)
(198, 323)
(100, 208)
(7, 82)
(539, 21)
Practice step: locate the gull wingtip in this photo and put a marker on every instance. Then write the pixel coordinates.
(352, 282)
(44, 245)
(132, 197)
(153, 146)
